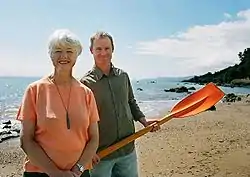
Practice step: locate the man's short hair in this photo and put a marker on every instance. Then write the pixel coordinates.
(101, 34)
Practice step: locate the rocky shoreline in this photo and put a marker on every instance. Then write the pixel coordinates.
(9, 129)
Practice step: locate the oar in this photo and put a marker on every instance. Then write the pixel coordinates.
(193, 104)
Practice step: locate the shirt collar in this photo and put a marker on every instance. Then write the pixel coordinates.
(99, 74)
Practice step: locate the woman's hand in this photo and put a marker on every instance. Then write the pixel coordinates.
(60, 173)
(76, 171)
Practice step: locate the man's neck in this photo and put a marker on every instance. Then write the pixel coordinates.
(105, 68)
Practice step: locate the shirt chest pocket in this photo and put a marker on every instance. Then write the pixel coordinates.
(120, 90)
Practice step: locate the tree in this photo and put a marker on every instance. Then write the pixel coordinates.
(245, 56)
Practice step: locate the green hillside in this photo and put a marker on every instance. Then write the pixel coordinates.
(237, 75)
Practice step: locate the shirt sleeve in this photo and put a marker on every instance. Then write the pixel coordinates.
(27, 108)
(93, 111)
(135, 109)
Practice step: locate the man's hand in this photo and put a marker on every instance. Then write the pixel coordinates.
(146, 123)
(95, 159)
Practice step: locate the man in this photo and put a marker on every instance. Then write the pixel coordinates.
(117, 109)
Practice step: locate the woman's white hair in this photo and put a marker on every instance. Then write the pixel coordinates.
(64, 37)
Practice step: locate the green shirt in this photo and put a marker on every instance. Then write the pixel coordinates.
(116, 105)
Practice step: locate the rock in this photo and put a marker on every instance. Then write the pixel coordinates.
(181, 89)
(9, 129)
(177, 89)
(231, 97)
(16, 130)
(9, 135)
(6, 126)
(213, 108)
(3, 132)
(169, 90)
(191, 88)
(8, 122)
(140, 89)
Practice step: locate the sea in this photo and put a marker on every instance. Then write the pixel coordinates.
(149, 93)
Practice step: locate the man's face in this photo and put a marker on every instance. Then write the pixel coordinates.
(102, 51)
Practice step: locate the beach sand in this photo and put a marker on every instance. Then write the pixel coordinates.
(211, 144)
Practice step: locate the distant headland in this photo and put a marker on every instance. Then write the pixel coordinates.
(237, 75)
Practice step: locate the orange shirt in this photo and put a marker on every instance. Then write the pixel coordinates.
(42, 104)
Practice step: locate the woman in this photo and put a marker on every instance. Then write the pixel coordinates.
(59, 117)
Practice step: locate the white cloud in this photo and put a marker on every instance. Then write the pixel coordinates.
(202, 48)
(227, 15)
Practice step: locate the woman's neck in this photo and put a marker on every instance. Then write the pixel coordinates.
(62, 78)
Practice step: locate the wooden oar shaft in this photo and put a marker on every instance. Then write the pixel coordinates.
(130, 138)
(145, 130)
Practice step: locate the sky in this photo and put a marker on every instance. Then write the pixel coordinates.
(153, 38)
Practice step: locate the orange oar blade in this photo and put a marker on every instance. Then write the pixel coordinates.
(198, 101)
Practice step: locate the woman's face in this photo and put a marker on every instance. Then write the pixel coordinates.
(64, 57)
